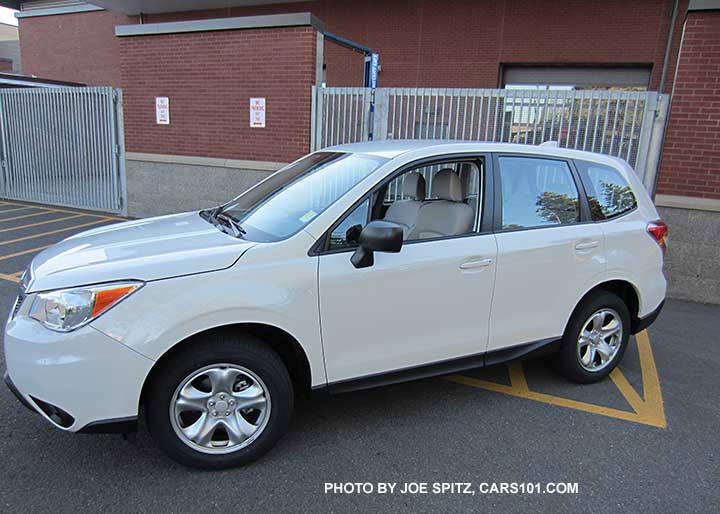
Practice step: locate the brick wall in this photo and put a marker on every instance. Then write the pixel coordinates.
(209, 78)
(691, 156)
(343, 67)
(79, 47)
(461, 43)
(6, 65)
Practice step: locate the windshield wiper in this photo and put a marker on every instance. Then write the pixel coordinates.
(232, 223)
(224, 221)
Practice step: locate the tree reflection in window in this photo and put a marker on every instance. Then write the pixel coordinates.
(557, 208)
(609, 194)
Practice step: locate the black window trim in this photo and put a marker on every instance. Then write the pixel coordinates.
(586, 187)
(584, 205)
(486, 212)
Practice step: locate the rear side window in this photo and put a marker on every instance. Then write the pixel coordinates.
(537, 192)
(608, 192)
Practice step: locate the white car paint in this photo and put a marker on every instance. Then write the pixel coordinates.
(147, 249)
(419, 306)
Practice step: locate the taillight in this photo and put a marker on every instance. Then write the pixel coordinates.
(658, 230)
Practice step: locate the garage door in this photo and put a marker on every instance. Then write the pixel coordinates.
(596, 77)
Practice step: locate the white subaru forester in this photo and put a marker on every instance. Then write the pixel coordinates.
(355, 266)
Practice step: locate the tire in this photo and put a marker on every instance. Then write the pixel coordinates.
(223, 369)
(588, 360)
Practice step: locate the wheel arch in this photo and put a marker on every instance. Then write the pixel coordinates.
(285, 344)
(626, 290)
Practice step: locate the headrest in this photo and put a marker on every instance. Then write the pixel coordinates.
(446, 185)
(414, 186)
(466, 175)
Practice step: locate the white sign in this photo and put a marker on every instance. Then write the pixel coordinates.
(257, 112)
(162, 110)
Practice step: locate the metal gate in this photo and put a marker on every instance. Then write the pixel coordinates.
(626, 124)
(63, 146)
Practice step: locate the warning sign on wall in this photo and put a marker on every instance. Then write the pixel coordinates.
(257, 112)
(162, 110)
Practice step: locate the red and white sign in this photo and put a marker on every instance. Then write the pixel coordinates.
(257, 113)
(162, 110)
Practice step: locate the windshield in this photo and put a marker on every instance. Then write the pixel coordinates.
(292, 197)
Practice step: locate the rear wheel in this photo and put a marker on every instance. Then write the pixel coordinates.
(220, 403)
(595, 339)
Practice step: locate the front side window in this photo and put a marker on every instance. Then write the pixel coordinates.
(430, 201)
(347, 232)
(609, 194)
(537, 192)
(295, 195)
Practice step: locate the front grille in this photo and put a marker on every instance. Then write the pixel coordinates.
(18, 304)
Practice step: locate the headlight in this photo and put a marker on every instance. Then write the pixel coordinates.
(67, 309)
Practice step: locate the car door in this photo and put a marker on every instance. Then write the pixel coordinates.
(549, 251)
(429, 303)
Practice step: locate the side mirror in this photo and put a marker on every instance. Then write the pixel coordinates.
(377, 236)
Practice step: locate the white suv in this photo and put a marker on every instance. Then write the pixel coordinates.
(355, 266)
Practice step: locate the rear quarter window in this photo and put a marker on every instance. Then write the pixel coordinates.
(609, 194)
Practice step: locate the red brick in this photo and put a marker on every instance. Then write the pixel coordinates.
(691, 141)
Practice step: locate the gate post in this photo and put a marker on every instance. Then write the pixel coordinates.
(3, 151)
(655, 145)
(120, 151)
(381, 113)
(648, 117)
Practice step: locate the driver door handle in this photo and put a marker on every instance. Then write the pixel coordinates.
(476, 264)
(587, 246)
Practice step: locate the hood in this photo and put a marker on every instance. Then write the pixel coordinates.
(147, 249)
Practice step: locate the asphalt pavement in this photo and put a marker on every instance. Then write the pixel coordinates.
(644, 441)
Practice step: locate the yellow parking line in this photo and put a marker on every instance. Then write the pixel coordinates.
(23, 252)
(55, 209)
(23, 216)
(41, 223)
(11, 278)
(52, 232)
(649, 411)
(20, 209)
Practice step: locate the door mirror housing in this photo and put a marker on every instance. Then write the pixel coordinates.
(377, 236)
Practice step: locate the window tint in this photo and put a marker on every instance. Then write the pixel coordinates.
(537, 192)
(345, 235)
(608, 192)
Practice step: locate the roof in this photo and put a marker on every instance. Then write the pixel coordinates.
(14, 80)
(394, 148)
(160, 6)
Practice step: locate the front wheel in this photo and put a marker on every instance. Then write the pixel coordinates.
(595, 339)
(220, 403)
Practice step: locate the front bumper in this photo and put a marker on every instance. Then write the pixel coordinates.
(79, 381)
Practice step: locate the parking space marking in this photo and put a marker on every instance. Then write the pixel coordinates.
(648, 410)
(17, 209)
(23, 216)
(10, 278)
(56, 209)
(24, 252)
(9, 229)
(34, 236)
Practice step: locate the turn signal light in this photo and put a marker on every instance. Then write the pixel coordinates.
(107, 297)
(658, 230)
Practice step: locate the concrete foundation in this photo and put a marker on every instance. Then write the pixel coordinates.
(692, 262)
(159, 185)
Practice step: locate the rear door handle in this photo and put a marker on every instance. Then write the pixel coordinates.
(587, 246)
(476, 264)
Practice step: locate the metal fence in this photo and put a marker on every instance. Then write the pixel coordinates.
(63, 146)
(626, 124)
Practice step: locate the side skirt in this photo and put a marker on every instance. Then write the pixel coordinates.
(479, 360)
